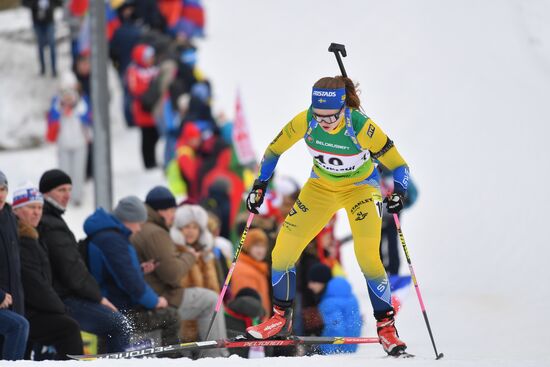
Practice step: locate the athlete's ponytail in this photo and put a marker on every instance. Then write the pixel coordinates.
(352, 99)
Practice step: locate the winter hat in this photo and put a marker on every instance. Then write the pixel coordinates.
(68, 81)
(187, 214)
(26, 194)
(130, 209)
(160, 198)
(3, 180)
(319, 273)
(247, 302)
(248, 292)
(143, 54)
(254, 237)
(52, 179)
(190, 131)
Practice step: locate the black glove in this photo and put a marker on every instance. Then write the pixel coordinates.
(256, 196)
(395, 202)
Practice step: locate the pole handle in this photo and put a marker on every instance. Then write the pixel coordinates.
(338, 49)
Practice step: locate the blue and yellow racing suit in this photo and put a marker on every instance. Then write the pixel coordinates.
(343, 176)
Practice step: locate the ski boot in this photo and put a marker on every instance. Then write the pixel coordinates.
(279, 325)
(389, 338)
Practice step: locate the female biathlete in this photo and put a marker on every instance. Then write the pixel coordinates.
(343, 142)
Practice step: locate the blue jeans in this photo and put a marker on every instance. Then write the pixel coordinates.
(101, 321)
(45, 36)
(14, 329)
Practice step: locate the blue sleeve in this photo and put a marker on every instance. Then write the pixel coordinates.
(121, 260)
(400, 179)
(54, 114)
(86, 118)
(267, 166)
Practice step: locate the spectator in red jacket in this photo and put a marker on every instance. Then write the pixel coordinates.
(188, 161)
(139, 78)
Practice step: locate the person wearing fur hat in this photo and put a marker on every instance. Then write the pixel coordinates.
(251, 270)
(70, 126)
(14, 328)
(45, 311)
(338, 308)
(71, 279)
(202, 283)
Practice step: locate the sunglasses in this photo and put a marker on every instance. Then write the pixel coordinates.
(328, 119)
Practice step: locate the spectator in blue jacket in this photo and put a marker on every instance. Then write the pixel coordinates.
(14, 328)
(114, 263)
(338, 307)
(112, 258)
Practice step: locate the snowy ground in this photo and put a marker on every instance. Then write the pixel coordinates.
(462, 88)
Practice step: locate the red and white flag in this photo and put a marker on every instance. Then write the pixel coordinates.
(241, 136)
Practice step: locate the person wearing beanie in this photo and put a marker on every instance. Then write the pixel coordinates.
(115, 265)
(241, 312)
(69, 125)
(52, 179)
(252, 270)
(338, 310)
(154, 244)
(202, 283)
(14, 328)
(48, 320)
(72, 281)
(188, 160)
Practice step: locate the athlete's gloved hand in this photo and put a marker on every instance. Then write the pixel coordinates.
(256, 196)
(394, 202)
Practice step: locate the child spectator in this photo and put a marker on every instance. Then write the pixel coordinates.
(69, 124)
(190, 233)
(14, 328)
(243, 311)
(45, 311)
(251, 270)
(339, 313)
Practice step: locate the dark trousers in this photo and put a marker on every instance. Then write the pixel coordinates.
(58, 330)
(101, 321)
(165, 319)
(45, 36)
(14, 330)
(149, 138)
(390, 246)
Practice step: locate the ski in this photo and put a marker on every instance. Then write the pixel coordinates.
(401, 354)
(238, 342)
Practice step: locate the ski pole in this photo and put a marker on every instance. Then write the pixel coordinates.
(416, 287)
(339, 49)
(230, 273)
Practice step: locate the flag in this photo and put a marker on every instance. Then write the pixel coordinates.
(241, 137)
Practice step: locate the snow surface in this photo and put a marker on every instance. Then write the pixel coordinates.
(462, 87)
